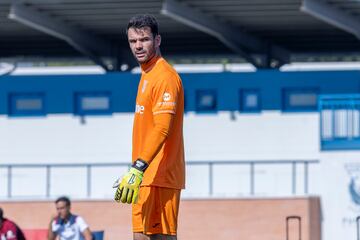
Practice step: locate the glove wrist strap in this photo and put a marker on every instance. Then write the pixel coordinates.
(140, 165)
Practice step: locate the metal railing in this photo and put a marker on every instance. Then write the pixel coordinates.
(208, 165)
(340, 121)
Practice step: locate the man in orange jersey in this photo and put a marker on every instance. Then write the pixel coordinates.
(157, 175)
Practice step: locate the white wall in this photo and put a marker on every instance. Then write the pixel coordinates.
(270, 135)
(63, 139)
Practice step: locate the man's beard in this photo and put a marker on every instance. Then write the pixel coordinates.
(150, 56)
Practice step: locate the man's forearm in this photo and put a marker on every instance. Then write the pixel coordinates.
(51, 235)
(87, 234)
(157, 136)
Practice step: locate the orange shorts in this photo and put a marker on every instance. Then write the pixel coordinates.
(156, 211)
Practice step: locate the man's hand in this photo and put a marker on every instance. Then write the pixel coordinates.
(51, 234)
(128, 189)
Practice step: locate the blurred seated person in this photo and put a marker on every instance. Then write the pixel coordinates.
(9, 230)
(67, 226)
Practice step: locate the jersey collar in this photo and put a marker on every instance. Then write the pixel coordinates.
(146, 67)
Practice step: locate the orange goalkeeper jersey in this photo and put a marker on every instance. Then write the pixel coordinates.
(160, 91)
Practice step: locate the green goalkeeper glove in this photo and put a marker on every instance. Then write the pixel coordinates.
(128, 189)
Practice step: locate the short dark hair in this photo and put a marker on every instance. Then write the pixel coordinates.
(1, 214)
(144, 20)
(63, 199)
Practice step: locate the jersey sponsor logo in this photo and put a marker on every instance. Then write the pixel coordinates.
(166, 99)
(144, 86)
(139, 109)
(166, 104)
(166, 96)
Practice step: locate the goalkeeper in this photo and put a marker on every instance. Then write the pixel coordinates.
(157, 175)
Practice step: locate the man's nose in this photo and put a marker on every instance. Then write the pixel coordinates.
(138, 45)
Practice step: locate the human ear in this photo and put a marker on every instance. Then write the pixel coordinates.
(158, 40)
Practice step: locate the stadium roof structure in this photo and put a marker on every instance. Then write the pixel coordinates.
(265, 33)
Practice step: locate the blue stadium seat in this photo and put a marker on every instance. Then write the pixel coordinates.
(98, 235)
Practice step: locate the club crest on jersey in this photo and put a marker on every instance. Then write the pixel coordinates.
(144, 86)
(166, 96)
